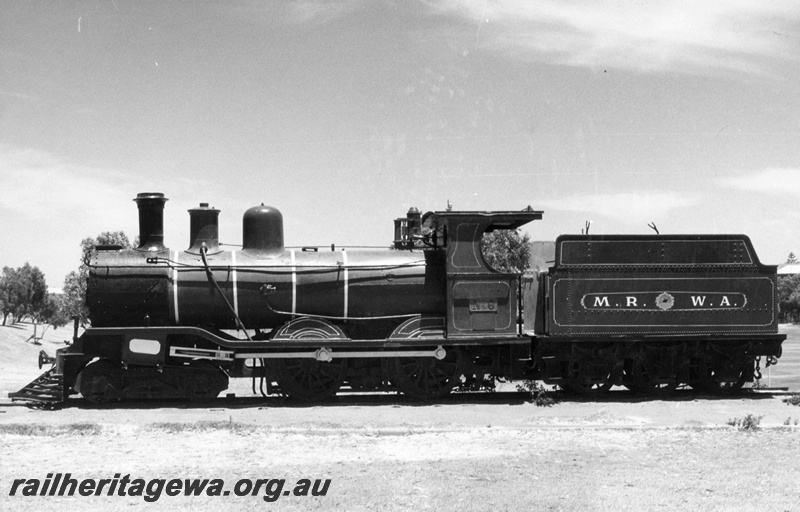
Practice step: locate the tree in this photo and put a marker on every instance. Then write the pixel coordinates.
(22, 291)
(74, 298)
(789, 294)
(507, 250)
(88, 245)
(31, 290)
(789, 298)
(51, 313)
(7, 299)
(74, 301)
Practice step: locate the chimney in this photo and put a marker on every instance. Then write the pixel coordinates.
(151, 221)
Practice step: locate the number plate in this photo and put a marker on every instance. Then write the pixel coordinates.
(477, 305)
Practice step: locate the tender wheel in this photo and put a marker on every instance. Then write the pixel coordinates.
(628, 380)
(426, 378)
(655, 375)
(722, 377)
(309, 380)
(591, 378)
(100, 382)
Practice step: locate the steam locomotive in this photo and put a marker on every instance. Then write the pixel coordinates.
(421, 317)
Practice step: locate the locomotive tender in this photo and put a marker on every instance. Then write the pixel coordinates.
(422, 317)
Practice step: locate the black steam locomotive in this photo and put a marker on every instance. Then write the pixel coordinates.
(422, 317)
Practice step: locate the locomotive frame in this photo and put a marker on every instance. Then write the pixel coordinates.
(647, 312)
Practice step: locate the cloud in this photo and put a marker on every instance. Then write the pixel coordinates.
(48, 205)
(777, 181)
(624, 206)
(311, 13)
(680, 35)
(17, 95)
(318, 12)
(38, 186)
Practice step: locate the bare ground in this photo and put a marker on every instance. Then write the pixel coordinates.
(482, 452)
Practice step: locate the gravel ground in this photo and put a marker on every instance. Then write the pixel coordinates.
(480, 452)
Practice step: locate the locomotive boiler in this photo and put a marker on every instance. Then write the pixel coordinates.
(421, 317)
(261, 285)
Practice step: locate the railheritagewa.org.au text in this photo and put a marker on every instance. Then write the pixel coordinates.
(152, 489)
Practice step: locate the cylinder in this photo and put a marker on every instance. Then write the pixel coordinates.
(151, 221)
(203, 228)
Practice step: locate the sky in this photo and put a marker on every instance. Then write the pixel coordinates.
(344, 114)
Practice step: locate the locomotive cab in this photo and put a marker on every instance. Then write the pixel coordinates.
(480, 300)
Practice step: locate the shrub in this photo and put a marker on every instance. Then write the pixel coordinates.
(749, 423)
(538, 394)
(792, 400)
(473, 382)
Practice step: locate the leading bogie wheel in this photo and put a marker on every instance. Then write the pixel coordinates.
(100, 382)
(204, 381)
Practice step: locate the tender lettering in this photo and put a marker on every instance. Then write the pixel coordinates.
(601, 302)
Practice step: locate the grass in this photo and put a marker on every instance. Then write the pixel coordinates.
(93, 429)
(32, 429)
(203, 427)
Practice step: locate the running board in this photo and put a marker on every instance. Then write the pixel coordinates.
(234, 344)
(323, 354)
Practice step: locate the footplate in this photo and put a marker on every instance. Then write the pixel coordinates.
(46, 391)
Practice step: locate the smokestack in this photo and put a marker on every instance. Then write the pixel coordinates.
(151, 221)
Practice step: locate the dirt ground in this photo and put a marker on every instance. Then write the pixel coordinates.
(478, 452)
